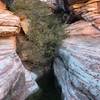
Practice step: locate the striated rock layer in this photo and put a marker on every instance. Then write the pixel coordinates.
(77, 68)
(89, 11)
(16, 82)
(77, 64)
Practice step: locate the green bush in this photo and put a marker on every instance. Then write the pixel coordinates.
(46, 29)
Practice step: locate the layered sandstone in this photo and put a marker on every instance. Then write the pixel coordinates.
(90, 11)
(16, 82)
(77, 64)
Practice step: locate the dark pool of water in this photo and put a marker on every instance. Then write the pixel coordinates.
(48, 90)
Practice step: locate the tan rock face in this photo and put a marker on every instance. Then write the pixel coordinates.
(9, 23)
(82, 28)
(89, 10)
(76, 1)
(2, 5)
(25, 24)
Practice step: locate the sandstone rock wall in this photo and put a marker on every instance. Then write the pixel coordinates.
(77, 64)
(16, 82)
